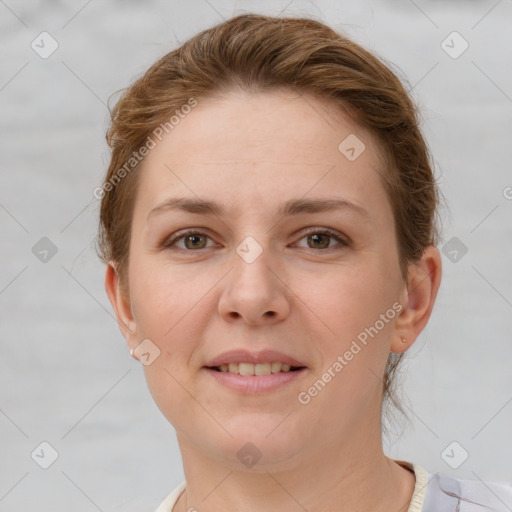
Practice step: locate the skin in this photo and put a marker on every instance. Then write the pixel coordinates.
(252, 152)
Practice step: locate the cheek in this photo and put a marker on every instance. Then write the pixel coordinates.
(348, 299)
(343, 314)
(163, 296)
(167, 310)
(157, 308)
(173, 306)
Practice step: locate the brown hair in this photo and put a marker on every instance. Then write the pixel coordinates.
(258, 53)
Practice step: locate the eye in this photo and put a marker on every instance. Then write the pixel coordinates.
(316, 238)
(192, 240)
(322, 238)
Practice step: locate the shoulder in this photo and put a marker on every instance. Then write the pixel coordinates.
(171, 499)
(446, 493)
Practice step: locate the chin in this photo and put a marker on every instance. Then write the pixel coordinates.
(258, 445)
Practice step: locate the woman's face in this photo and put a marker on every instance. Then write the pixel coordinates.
(261, 273)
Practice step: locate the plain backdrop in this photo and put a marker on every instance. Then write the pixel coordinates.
(66, 377)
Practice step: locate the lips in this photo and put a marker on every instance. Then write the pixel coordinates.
(257, 384)
(261, 357)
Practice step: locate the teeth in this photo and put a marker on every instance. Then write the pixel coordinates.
(254, 369)
(276, 367)
(262, 369)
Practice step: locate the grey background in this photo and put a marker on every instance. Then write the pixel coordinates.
(65, 373)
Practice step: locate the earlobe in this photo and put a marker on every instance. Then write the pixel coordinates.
(424, 278)
(121, 305)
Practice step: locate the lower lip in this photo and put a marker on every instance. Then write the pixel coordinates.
(254, 384)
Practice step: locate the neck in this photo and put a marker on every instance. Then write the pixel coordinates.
(357, 477)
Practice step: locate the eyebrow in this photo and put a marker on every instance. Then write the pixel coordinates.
(289, 208)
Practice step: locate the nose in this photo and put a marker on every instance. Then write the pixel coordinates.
(254, 292)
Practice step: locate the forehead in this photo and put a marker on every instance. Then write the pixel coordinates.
(261, 147)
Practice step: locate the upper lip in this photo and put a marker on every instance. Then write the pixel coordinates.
(244, 356)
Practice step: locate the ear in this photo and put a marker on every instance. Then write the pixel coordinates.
(423, 280)
(121, 305)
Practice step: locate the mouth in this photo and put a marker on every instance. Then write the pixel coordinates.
(258, 369)
(255, 379)
(252, 373)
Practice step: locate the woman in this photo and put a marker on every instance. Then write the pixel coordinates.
(268, 221)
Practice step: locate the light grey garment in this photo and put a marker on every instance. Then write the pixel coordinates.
(443, 494)
(448, 494)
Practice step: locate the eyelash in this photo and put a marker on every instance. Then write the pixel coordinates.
(170, 241)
